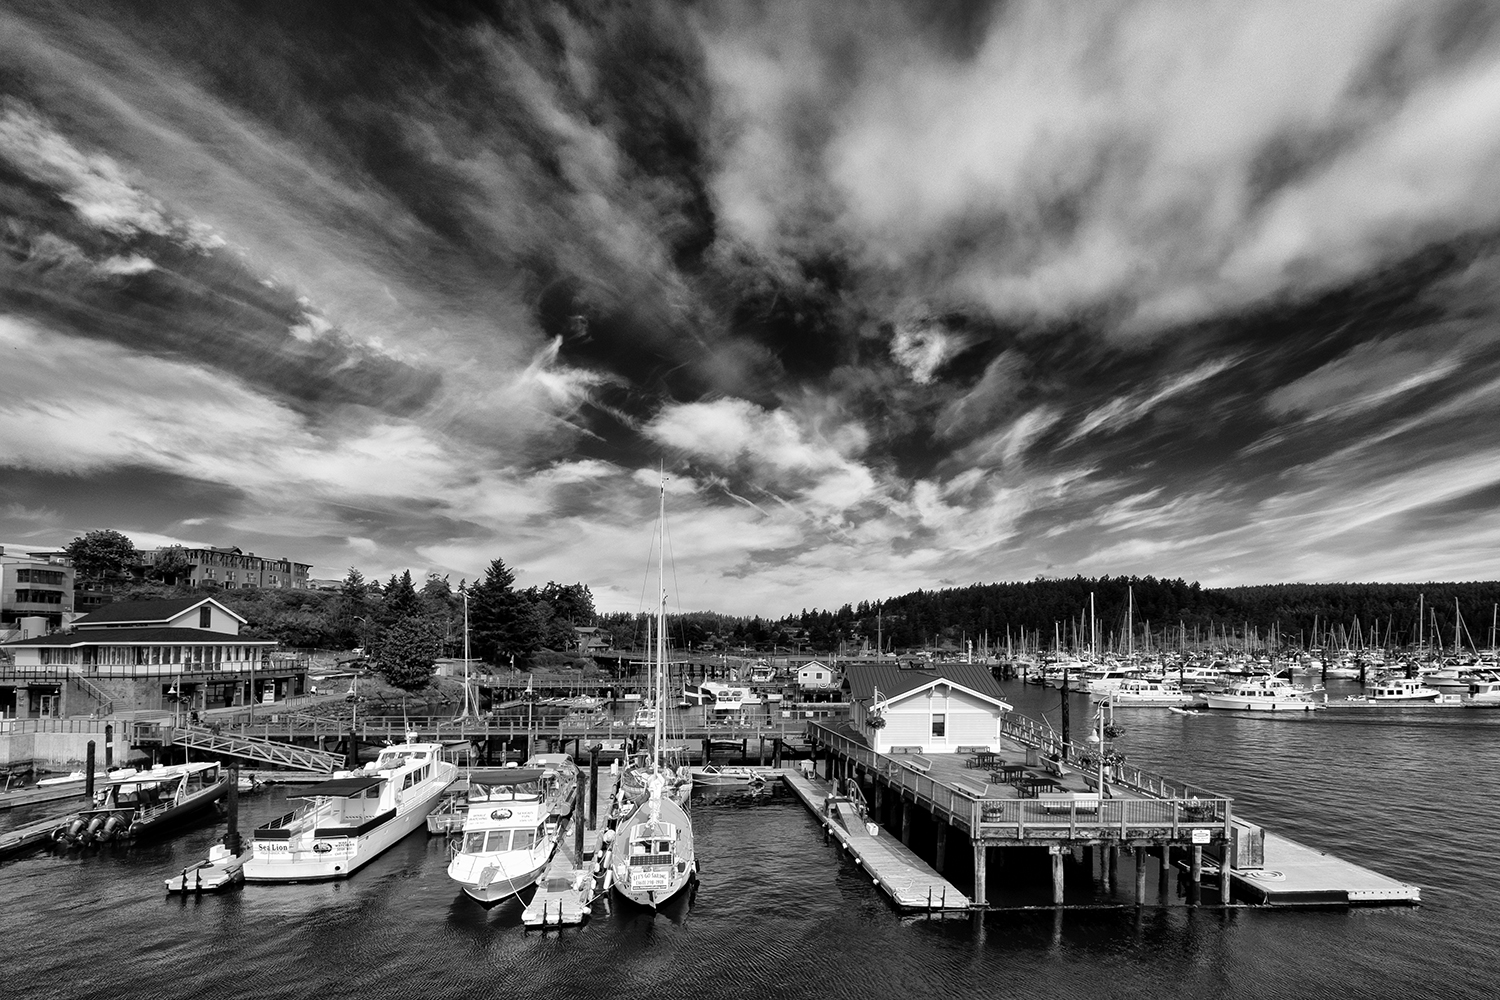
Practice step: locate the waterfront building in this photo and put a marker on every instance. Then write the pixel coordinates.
(815, 675)
(233, 569)
(926, 709)
(184, 654)
(34, 585)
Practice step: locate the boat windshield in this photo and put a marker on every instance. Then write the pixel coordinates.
(396, 758)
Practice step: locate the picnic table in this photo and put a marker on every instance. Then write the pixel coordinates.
(1031, 783)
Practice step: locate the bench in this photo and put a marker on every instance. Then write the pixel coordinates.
(918, 763)
(1068, 801)
(970, 786)
(982, 749)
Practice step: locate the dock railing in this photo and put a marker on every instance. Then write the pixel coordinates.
(1170, 814)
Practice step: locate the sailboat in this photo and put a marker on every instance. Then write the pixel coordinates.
(652, 858)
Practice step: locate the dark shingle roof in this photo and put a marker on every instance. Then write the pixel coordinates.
(863, 678)
(145, 612)
(141, 636)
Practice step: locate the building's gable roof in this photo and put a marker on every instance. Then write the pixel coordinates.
(140, 637)
(148, 612)
(894, 683)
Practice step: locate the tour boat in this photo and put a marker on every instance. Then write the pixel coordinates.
(652, 858)
(1403, 689)
(1264, 694)
(80, 777)
(144, 803)
(513, 825)
(347, 821)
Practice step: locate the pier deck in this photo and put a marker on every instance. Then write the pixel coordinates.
(897, 871)
(31, 836)
(566, 891)
(1295, 874)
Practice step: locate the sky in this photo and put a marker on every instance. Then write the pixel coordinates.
(897, 296)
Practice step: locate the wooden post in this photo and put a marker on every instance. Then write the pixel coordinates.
(942, 846)
(762, 751)
(577, 836)
(1225, 887)
(1114, 862)
(1140, 876)
(707, 746)
(776, 752)
(828, 764)
(1164, 875)
(979, 874)
(88, 777)
(906, 822)
(1057, 875)
(594, 786)
(1196, 874)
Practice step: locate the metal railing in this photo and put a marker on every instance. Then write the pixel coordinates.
(1170, 816)
(90, 726)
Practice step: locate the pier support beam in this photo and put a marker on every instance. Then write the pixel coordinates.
(1057, 875)
(1140, 876)
(88, 776)
(1224, 886)
(906, 822)
(942, 846)
(980, 874)
(1113, 854)
(1164, 874)
(1196, 873)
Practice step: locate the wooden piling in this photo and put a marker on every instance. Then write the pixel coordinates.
(979, 896)
(906, 808)
(594, 786)
(1057, 875)
(88, 772)
(232, 807)
(942, 846)
(1164, 870)
(1140, 876)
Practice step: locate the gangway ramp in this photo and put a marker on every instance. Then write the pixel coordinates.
(283, 755)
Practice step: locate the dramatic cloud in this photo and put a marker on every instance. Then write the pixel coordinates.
(890, 293)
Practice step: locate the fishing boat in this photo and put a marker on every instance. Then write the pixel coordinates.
(349, 820)
(146, 803)
(1263, 694)
(653, 858)
(512, 826)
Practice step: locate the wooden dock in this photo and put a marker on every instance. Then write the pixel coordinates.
(31, 836)
(896, 870)
(1297, 875)
(36, 796)
(566, 892)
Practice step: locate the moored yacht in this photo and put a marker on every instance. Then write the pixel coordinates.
(345, 822)
(1138, 692)
(139, 804)
(513, 825)
(1403, 689)
(1263, 694)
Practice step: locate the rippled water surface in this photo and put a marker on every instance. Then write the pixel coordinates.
(779, 913)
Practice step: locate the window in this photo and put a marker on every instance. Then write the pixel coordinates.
(939, 726)
(499, 841)
(474, 842)
(205, 616)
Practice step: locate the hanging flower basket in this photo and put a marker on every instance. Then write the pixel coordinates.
(875, 720)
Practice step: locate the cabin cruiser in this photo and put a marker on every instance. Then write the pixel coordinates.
(142, 803)
(1139, 692)
(350, 819)
(1403, 689)
(513, 825)
(717, 774)
(1264, 694)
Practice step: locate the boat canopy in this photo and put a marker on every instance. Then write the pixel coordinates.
(504, 776)
(340, 787)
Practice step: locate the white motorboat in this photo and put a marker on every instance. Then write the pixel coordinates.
(134, 806)
(512, 826)
(80, 777)
(1403, 689)
(1263, 694)
(715, 774)
(1137, 692)
(349, 820)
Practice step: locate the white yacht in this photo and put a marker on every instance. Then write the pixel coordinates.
(345, 822)
(1264, 694)
(1137, 692)
(513, 824)
(1403, 689)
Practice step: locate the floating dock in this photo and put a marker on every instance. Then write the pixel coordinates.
(566, 892)
(895, 869)
(31, 836)
(1294, 874)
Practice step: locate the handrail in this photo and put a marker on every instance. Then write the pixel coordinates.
(993, 817)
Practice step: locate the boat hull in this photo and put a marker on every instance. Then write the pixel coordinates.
(339, 857)
(1236, 704)
(500, 889)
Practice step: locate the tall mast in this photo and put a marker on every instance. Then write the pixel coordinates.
(466, 656)
(661, 627)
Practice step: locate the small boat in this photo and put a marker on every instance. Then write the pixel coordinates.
(347, 821)
(79, 777)
(715, 774)
(512, 826)
(1179, 710)
(220, 870)
(145, 803)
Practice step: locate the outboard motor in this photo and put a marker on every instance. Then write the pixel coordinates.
(115, 828)
(91, 832)
(68, 834)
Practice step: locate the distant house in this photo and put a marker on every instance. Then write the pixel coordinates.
(232, 569)
(592, 639)
(815, 675)
(147, 655)
(931, 708)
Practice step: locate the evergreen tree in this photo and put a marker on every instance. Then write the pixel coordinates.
(408, 652)
(502, 623)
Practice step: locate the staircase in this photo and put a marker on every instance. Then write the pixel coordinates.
(284, 755)
(104, 700)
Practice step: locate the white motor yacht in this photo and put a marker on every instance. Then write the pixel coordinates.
(347, 821)
(1403, 689)
(1263, 694)
(512, 826)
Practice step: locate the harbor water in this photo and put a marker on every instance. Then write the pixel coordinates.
(779, 913)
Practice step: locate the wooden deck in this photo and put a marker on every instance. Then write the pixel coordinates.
(1295, 874)
(896, 870)
(31, 836)
(566, 892)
